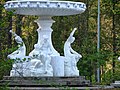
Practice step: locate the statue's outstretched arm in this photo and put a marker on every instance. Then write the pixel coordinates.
(15, 52)
(73, 51)
(72, 33)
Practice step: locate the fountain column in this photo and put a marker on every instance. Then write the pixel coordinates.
(44, 29)
(45, 23)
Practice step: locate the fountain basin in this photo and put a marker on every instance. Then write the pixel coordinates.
(47, 8)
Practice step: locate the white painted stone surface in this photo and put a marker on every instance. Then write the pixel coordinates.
(45, 7)
(58, 65)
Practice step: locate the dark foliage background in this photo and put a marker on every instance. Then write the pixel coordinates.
(85, 43)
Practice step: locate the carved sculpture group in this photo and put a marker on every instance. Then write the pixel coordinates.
(39, 62)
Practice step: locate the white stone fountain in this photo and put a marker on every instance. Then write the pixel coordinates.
(44, 59)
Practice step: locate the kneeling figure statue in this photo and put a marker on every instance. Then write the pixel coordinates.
(72, 57)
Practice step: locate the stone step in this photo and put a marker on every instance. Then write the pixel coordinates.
(64, 88)
(45, 81)
(44, 78)
(49, 83)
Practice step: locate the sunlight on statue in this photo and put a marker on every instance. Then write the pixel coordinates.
(72, 57)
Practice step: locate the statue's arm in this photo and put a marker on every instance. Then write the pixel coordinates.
(72, 33)
(15, 52)
(73, 51)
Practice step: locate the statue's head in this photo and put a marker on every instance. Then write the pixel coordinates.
(36, 46)
(18, 39)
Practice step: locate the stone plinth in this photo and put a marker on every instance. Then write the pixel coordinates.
(44, 81)
(50, 83)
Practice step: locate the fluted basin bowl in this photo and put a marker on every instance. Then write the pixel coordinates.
(45, 8)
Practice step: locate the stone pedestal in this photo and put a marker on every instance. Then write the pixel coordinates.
(44, 81)
(58, 65)
(50, 83)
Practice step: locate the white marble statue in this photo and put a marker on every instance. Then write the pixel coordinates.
(18, 56)
(35, 52)
(45, 56)
(21, 51)
(72, 57)
(42, 55)
(36, 68)
(40, 59)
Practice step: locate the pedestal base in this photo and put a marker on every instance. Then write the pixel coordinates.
(44, 81)
(50, 83)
